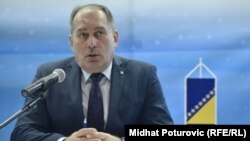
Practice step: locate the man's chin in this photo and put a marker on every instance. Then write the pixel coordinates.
(94, 67)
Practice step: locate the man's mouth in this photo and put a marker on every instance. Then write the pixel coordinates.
(92, 55)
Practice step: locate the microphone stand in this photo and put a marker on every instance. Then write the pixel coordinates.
(24, 109)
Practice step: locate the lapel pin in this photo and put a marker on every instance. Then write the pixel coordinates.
(122, 72)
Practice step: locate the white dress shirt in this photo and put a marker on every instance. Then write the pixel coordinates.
(105, 88)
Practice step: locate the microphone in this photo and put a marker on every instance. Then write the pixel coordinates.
(45, 83)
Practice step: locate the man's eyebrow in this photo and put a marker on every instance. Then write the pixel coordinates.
(84, 29)
(99, 28)
(81, 29)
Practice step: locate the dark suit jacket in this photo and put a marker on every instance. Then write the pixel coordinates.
(136, 97)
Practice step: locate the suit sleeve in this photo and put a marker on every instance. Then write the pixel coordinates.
(155, 110)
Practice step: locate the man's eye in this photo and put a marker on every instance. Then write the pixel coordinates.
(82, 35)
(98, 33)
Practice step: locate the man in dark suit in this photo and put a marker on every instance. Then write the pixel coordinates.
(130, 89)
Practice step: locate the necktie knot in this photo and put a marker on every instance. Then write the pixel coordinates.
(96, 77)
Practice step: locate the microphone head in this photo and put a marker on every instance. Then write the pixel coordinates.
(61, 74)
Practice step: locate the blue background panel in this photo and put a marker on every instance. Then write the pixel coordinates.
(171, 34)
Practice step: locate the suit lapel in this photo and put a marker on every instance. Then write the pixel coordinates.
(74, 87)
(117, 79)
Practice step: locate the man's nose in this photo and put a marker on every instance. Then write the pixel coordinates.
(91, 42)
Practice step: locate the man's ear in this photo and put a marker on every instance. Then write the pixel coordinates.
(116, 36)
(71, 42)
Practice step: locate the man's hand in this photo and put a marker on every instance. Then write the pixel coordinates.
(103, 137)
(81, 134)
(91, 134)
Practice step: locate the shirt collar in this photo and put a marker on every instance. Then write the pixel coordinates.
(106, 73)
